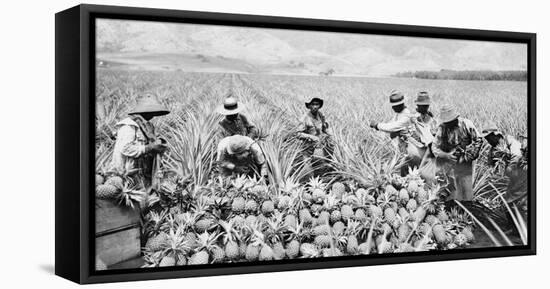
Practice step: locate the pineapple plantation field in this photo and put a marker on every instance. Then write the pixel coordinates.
(361, 206)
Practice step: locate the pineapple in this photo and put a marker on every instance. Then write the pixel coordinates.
(422, 196)
(268, 207)
(403, 232)
(324, 218)
(251, 206)
(238, 221)
(419, 215)
(199, 258)
(252, 252)
(360, 215)
(238, 205)
(352, 245)
(335, 216)
(250, 220)
(439, 234)
(157, 242)
(375, 211)
(292, 249)
(425, 229)
(305, 216)
(290, 221)
(167, 261)
(204, 225)
(218, 254)
(338, 228)
(116, 181)
(242, 250)
(346, 212)
(467, 231)
(413, 187)
(460, 240)
(106, 191)
(182, 260)
(404, 196)
(384, 247)
(431, 219)
(403, 213)
(284, 203)
(442, 216)
(405, 248)
(391, 191)
(266, 253)
(338, 189)
(361, 194)
(317, 189)
(278, 251)
(99, 180)
(411, 205)
(321, 230)
(389, 215)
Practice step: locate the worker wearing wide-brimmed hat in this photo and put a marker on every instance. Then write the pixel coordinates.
(504, 156)
(457, 143)
(239, 154)
(234, 122)
(313, 131)
(136, 142)
(399, 127)
(425, 122)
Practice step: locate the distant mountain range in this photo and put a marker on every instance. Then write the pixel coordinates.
(208, 48)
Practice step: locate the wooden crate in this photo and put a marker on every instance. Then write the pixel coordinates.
(117, 232)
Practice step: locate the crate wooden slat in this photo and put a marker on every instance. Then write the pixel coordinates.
(110, 216)
(120, 246)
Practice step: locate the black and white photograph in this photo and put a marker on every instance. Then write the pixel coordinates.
(219, 144)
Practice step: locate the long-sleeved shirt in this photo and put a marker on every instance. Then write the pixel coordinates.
(464, 136)
(401, 122)
(239, 126)
(129, 146)
(426, 128)
(255, 159)
(312, 125)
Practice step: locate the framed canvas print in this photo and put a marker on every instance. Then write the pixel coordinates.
(194, 144)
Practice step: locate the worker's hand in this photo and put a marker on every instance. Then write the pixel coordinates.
(314, 138)
(156, 147)
(449, 156)
(228, 165)
(373, 124)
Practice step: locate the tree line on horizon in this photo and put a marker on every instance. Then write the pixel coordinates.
(512, 75)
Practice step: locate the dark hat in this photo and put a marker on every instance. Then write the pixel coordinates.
(423, 98)
(230, 106)
(490, 128)
(396, 98)
(315, 99)
(149, 104)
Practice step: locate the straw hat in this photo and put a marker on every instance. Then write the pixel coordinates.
(315, 99)
(396, 98)
(423, 98)
(238, 144)
(149, 104)
(230, 106)
(447, 114)
(490, 128)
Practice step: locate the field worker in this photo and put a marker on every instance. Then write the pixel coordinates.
(313, 131)
(457, 144)
(136, 145)
(240, 154)
(504, 156)
(399, 128)
(234, 122)
(425, 126)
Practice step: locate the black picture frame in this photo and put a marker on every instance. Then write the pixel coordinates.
(74, 155)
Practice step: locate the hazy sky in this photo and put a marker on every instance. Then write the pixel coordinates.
(347, 53)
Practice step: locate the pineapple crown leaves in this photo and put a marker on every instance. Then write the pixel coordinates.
(275, 228)
(239, 182)
(187, 220)
(152, 222)
(330, 202)
(316, 183)
(230, 231)
(176, 243)
(207, 241)
(131, 197)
